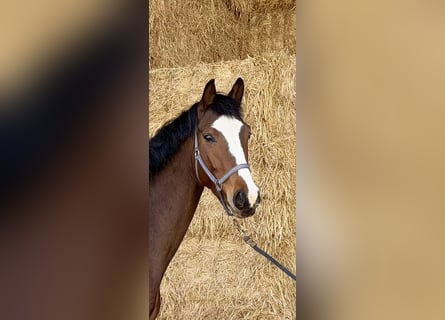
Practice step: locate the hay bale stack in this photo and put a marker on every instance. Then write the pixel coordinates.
(223, 279)
(247, 7)
(190, 32)
(192, 42)
(269, 104)
(187, 33)
(270, 31)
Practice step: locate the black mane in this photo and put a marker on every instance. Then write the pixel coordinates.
(167, 140)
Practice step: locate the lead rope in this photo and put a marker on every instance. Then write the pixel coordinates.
(247, 239)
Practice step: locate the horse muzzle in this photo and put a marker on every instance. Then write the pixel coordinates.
(243, 208)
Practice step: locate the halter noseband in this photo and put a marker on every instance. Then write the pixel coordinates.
(217, 182)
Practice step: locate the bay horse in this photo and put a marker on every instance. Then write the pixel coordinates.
(206, 146)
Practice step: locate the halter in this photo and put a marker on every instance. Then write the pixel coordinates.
(217, 182)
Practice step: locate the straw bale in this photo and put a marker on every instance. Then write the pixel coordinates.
(222, 279)
(270, 31)
(269, 105)
(190, 32)
(246, 7)
(187, 33)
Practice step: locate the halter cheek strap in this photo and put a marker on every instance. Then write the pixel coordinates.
(217, 182)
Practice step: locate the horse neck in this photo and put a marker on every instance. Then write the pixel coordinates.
(174, 196)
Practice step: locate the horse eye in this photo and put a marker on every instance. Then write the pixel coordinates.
(209, 138)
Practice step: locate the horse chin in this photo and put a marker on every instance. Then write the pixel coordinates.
(244, 213)
(241, 214)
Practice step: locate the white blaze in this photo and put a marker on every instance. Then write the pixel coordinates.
(230, 128)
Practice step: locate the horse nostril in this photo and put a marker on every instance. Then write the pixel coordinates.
(240, 200)
(258, 199)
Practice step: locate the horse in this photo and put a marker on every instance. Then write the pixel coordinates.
(205, 146)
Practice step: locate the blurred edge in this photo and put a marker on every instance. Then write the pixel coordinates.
(73, 160)
(370, 160)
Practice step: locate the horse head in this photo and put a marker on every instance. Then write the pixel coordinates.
(221, 150)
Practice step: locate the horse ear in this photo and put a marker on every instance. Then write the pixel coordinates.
(237, 90)
(209, 93)
(207, 97)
